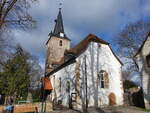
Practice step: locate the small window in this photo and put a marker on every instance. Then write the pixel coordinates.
(68, 86)
(60, 43)
(104, 79)
(148, 60)
(60, 84)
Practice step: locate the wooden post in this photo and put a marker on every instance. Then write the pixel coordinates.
(43, 101)
(42, 97)
(86, 100)
(97, 83)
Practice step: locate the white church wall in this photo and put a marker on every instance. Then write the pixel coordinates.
(98, 57)
(60, 86)
(109, 63)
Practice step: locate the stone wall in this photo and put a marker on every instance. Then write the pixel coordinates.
(55, 51)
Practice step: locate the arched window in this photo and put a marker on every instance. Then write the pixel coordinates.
(148, 60)
(60, 43)
(60, 84)
(104, 79)
(68, 86)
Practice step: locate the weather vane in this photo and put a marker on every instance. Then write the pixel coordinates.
(60, 5)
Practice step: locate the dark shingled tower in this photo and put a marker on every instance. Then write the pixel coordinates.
(59, 27)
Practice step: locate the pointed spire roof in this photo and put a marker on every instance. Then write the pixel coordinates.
(59, 28)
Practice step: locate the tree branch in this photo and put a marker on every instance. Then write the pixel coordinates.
(6, 12)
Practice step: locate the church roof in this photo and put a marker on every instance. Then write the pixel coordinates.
(73, 53)
(139, 50)
(82, 46)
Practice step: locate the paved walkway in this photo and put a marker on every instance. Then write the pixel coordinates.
(124, 110)
(107, 110)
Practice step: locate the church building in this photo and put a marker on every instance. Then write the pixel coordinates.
(88, 74)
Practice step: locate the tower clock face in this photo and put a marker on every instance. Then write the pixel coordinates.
(62, 34)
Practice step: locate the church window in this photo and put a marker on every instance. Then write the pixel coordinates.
(148, 60)
(104, 79)
(68, 86)
(60, 84)
(60, 43)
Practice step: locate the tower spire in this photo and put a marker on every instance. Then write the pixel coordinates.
(59, 27)
(60, 5)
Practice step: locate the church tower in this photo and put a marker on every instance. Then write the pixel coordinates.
(56, 45)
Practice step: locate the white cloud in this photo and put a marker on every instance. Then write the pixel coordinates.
(30, 41)
(81, 17)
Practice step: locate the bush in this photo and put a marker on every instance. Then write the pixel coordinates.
(127, 84)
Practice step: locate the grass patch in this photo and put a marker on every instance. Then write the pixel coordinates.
(146, 110)
(141, 109)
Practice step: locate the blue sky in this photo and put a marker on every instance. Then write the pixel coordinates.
(105, 18)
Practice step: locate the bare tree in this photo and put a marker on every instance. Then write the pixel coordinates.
(129, 41)
(6, 48)
(14, 13)
(131, 37)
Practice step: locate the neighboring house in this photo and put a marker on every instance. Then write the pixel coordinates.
(142, 58)
(89, 73)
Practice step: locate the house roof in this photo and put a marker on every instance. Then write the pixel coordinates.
(73, 53)
(139, 50)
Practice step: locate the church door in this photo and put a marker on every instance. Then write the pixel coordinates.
(112, 99)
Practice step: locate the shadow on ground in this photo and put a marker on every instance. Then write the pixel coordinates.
(92, 110)
(112, 109)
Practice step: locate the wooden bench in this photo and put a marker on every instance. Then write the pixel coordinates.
(1, 109)
(25, 108)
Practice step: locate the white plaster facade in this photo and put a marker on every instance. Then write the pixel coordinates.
(98, 57)
(144, 69)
